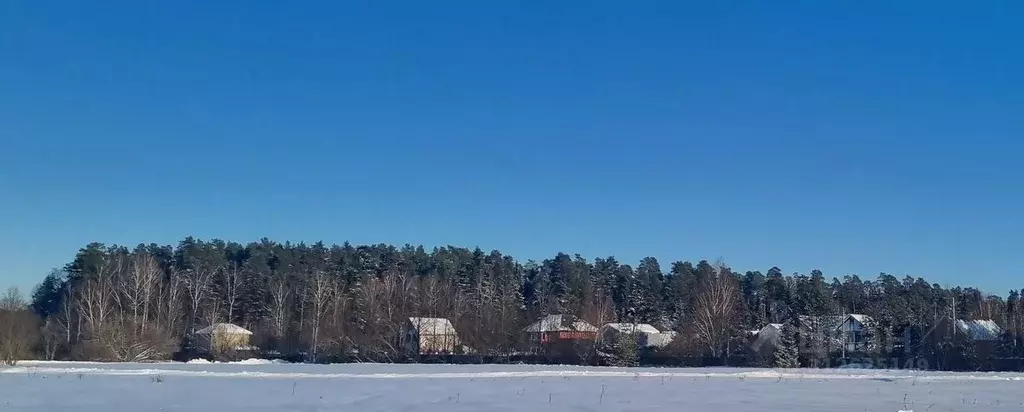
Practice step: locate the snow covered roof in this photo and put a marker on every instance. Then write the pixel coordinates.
(632, 327)
(223, 328)
(980, 329)
(768, 335)
(433, 326)
(560, 323)
(660, 339)
(863, 319)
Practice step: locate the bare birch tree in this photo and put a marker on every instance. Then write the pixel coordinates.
(170, 300)
(231, 282)
(319, 294)
(715, 312)
(196, 280)
(279, 305)
(139, 288)
(96, 299)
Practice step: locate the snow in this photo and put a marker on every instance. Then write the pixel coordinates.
(100, 387)
(223, 328)
(250, 361)
(632, 327)
(980, 329)
(254, 361)
(862, 319)
(660, 339)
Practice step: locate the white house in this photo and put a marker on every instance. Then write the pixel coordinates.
(855, 332)
(222, 338)
(430, 336)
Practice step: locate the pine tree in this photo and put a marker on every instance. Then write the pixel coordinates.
(621, 293)
(786, 354)
(649, 291)
(626, 349)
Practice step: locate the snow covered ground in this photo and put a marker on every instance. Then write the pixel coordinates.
(258, 386)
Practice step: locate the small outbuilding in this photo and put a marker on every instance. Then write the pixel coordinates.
(430, 336)
(222, 338)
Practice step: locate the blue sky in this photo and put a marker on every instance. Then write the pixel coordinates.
(852, 137)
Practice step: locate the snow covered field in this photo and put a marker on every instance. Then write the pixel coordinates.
(100, 387)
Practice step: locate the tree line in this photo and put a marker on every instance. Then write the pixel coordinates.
(324, 303)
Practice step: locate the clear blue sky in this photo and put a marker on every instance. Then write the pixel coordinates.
(854, 137)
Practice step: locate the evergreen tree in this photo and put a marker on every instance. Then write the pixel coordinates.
(755, 309)
(48, 295)
(622, 294)
(626, 349)
(680, 285)
(649, 291)
(786, 353)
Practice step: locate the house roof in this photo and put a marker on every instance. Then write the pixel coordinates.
(632, 327)
(660, 339)
(980, 329)
(864, 319)
(223, 328)
(432, 326)
(768, 335)
(560, 323)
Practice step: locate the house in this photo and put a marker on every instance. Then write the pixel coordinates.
(423, 336)
(855, 333)
(846, 333)
(647, 336)
(222, 338)
(559, 328)
(764, 341)
(983, 333)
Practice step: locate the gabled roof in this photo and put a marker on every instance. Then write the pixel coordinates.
(223, 328)
(632, 327)
(560, 323)
(432, 326)
(980, 329)
(768, 335)
(863, 319)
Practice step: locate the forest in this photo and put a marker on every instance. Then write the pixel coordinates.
(339, 303)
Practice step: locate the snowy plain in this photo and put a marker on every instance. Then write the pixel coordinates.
(261, 386)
